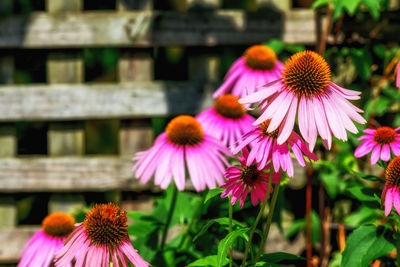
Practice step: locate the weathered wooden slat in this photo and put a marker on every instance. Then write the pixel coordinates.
(152, 28)
(12, 241)
(82, 101)
(73, 174)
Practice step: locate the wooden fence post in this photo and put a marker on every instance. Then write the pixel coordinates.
(65, 138)
(8, 139)
(135, 65)
(135, 134)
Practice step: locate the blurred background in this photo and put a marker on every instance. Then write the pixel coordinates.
(86, 84)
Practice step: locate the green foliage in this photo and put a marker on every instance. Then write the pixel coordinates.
(301, 225)
(351, 6)
(365, 244)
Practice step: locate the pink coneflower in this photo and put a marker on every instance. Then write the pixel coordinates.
(249, 176)
(183, 143)
(43, 245)
(379, 141)
(101, 239)
(227, 120)
(257, 66)
(391, 192)
(264, 145)
(305, 89)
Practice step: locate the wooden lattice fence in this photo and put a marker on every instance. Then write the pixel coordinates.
(65, 101)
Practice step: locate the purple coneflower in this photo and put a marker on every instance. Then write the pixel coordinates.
(101, 239)
(391, 192)
(258, 66)
(264, 146)
(227, 120)
(248, 176)
(379, 141)
(43, 245)
(183, 143)
(305, 89)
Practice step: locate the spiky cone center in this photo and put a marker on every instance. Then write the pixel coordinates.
(185, 130)
(306, 74)
(58, 224)
(251, 175)
(264, 129)
(384, 135)
(260, 57)
(392, 172)
(228, 106)
(106, 224)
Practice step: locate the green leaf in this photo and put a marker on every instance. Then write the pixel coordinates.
(213, 193)
(227, 242)
(351, 5)
(373, 7)
(221, 221)
(276, 45)
(365, 244)
(277, 257)
(319, 3)
(315, 227)
(208, 261)
(368, 177)
(362, 194)
(330, 178)
(295, 227)
(362, 61)
(363, 215)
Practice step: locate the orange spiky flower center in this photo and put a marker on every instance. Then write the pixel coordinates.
(264, 129)
(260, 57)
(392, 172)
(250, 175)
(229, 107)
(58, 224)
(185, 130)
(306, 74)
(106, 224)
(384, 135)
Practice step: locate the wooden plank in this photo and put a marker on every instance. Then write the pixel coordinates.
(8, 138)
(65, 138)
(136, 66)
(73, 174)
(153, 28)
(91, 101)
(12, 241)
(134, 4)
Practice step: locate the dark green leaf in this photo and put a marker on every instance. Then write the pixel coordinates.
(365, 244)
(368, 177)
(277, 257)
(227, 242)
(212, 193)
(221, 221)
(330, 178)
(208, 261)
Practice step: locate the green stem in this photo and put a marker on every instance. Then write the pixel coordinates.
(193, 220)
(260, 213)
(230, 228)
(269, 220)
(171, 211)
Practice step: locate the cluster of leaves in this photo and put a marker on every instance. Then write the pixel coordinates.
(199, 233)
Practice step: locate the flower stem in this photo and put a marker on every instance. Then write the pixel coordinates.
(193, 220)
(230, 228)
(269, 220)
(260, 213)
(171, 211)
